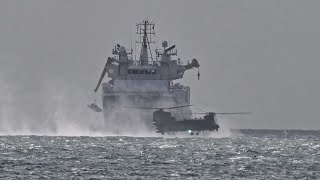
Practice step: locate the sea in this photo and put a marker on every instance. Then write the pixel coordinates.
(243, 154)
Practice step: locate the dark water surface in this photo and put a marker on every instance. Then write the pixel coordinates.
(252, 155)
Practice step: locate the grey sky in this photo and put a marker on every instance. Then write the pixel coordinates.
(259, 56)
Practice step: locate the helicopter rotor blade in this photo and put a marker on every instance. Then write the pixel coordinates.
(159, 107)
(141, 108)
(177, 107)
(234, 113)
(224, 113)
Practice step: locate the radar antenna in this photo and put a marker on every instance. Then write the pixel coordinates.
(146, 36)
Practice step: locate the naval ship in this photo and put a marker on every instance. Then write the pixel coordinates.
(147, 81)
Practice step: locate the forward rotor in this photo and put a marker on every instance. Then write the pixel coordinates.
(224, 113)
(158, 108)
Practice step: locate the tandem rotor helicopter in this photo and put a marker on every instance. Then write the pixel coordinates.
(164, 122)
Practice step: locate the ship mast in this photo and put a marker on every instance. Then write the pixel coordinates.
(145, 31)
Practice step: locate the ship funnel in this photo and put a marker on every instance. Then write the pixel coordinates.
(123, 54)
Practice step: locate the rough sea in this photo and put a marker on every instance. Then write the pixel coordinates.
(244, 154)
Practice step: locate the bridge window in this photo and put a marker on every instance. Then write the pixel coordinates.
(141, 71)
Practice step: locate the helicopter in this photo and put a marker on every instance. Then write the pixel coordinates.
(164, 122)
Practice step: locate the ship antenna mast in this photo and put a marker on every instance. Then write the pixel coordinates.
(148, 40)
(145, 35)
(145, 32)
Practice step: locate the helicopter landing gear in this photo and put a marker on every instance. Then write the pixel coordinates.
(194, 133)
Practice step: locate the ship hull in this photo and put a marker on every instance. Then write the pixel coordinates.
(122, 113)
